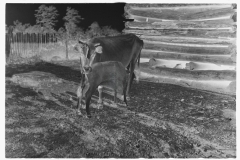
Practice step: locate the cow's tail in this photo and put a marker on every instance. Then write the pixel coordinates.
(137, 76)
(139, 55)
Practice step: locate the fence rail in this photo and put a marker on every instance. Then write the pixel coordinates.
(28, 43)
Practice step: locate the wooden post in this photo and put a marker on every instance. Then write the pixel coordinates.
(25, 44)
(32, 43)
(66, 42)
(39, 42)
(21, 43)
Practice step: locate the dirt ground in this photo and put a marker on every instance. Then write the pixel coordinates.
(161, 121)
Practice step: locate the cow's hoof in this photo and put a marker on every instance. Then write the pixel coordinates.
(79, 113)
(88, 116)
(137, 81)
(100, 106)
(114, 104)
(125, 105)
(121, 98)
(83, 106)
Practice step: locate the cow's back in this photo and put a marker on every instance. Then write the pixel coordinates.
(118, 48)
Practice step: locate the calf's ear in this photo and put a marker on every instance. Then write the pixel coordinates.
(98, 49)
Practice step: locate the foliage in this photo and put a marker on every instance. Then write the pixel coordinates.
(46, 16)
(93, 31)
(108, 31)
(61, 34)
(71, 20)
(96, 31)
(19, 27)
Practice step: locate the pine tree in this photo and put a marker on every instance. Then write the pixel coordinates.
(71, 20)
(46, 17)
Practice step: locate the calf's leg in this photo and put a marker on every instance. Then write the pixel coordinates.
(79, 102)
(88, 96)
(124, 92)
(100, 101)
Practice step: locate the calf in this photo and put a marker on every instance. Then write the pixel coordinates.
(125, 48)
(110, 74)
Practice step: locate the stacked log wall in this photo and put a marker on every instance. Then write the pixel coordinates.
(192, 45)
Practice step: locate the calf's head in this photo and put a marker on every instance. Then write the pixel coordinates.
(87, 54)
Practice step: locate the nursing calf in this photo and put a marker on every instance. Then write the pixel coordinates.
(109, 74)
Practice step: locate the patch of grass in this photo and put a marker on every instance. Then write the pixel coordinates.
(17, 59)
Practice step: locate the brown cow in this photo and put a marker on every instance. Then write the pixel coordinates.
(123, 48)
(110, 74)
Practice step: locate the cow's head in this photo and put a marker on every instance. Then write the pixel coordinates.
(87, 54)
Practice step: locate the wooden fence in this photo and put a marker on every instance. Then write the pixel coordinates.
(192, 45)
(28, 44)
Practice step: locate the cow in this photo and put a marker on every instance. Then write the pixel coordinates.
(124, 48)
(111, 74)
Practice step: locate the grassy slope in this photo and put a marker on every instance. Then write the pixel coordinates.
(162, 120)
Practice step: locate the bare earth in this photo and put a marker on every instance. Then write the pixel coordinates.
(162, 120)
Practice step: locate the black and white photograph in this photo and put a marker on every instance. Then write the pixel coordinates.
(120, 79)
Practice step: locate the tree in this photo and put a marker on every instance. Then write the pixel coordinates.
(71, 20)
(46, 16)
(108, 31)
(94, 30)
(19, 27)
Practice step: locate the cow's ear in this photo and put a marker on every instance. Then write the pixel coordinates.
(98, 49)
(96, 44)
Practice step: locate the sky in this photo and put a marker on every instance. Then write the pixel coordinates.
(106, 14)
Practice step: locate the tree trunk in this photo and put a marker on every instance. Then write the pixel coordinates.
(66, 42)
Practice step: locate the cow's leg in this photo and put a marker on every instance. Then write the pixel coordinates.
(137, 75)
(87, 107)
(89, 94)
(130, 79)
(79, 102)
(124, 93)
(100, 101)
(79, 106)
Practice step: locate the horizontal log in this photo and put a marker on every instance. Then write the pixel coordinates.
(152, 20)
(187, 49)
(189, 40)
(202, 6)
(225, 24)
(184, 33)
(186, 44)
(184, 64)
(216, 59)
(176, 15)
(189, 74)
(219, 86)
(209, 14)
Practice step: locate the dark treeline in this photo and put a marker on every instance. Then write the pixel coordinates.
(26, 38)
